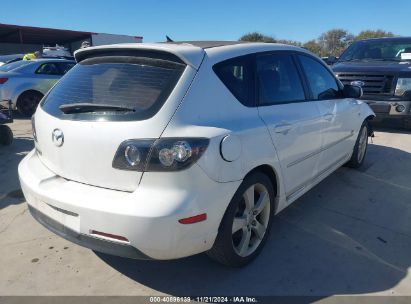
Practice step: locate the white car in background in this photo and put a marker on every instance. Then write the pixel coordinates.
(161, 151)
(25, 82)
(56, 51)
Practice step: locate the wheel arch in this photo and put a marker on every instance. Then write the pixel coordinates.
(370, 128)
(365, 113)
(28, 91)
(270, 172)
(217, 251)
(17, 98)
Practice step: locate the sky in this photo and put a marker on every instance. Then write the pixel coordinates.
(212, 19)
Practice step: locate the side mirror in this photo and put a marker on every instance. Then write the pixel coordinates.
(352, 91)
(331, 60)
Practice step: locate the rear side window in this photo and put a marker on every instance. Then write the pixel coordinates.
(278, 80)
(48, 69)
(141, 84)
(322, 83)
(237, 76)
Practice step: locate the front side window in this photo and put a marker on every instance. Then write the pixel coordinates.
(64, 67)
(278, 80)
(113, 88)
(237, 76)
(322, 83)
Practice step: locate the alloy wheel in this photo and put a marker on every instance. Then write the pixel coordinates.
(251, 220)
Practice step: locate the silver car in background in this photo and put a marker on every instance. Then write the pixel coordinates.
(26, 82)
(4, 59)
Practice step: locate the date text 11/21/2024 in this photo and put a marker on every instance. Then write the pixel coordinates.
(206, 299)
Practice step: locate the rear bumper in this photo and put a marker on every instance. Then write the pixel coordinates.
(147, 218)
(85, 240)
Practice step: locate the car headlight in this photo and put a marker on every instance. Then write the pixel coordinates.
(403, 85)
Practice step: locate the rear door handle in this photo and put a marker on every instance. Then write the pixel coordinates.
(283, 128)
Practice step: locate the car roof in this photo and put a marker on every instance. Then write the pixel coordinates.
(192, 52)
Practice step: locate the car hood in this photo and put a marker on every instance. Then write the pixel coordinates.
(372, 66)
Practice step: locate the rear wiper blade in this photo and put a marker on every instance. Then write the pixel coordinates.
(85, 107)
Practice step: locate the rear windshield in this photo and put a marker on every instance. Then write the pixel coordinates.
(138, 86)
(13, 65)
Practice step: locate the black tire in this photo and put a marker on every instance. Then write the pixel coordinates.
(27, 103)
(6, 135)
(225, 250)
(356, 159)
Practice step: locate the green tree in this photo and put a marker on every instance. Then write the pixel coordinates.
(290, 42)
(257, 37)
(313, 46)
(367, 34)
(330, 43)
(334, 42)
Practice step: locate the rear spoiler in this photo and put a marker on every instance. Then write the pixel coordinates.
(189, 54)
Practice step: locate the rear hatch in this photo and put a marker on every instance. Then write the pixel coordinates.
(109, 97)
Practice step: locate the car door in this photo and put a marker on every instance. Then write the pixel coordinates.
(47, 75)
(337, 112)
(294, 122)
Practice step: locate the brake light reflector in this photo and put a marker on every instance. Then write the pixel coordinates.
(3, 80)
(109, 235)
(193, 219)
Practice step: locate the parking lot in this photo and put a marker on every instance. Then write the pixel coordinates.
(351, 234)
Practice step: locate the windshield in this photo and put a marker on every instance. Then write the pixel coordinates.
(136, 83)
(14, 65)
(369, 50)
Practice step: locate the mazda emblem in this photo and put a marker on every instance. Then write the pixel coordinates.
(57, 137)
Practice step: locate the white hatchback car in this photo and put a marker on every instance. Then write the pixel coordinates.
(161, 151)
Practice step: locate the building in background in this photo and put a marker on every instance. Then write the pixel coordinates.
(17, 39)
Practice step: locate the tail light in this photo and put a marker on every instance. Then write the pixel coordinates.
(166, 154)
(3, 80)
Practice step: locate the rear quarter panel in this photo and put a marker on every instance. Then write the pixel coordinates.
(210, 110)
(29, 82)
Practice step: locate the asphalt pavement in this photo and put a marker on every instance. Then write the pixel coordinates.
(350, 235)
